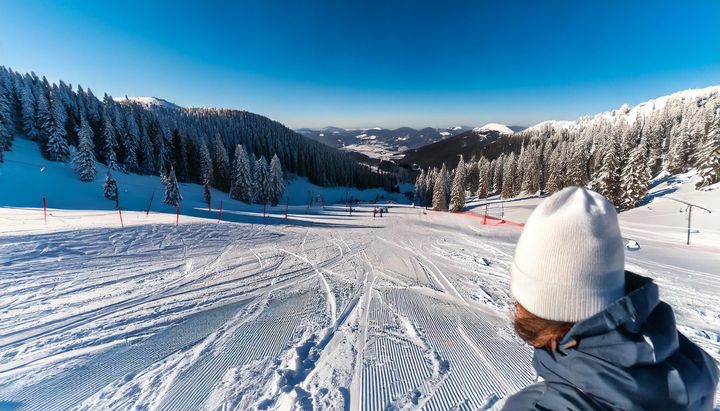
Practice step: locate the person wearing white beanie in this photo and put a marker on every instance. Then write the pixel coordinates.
(603, 339)
(570, 250)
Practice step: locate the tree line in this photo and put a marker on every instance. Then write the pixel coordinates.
(616, 154)
(198, 145)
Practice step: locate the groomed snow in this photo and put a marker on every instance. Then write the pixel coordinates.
(325, 310)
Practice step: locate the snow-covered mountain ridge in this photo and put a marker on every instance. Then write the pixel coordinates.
(149, 102)
(630, 114)
(616, 153)
(500, 128)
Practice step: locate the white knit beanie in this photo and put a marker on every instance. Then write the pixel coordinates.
(570, 261)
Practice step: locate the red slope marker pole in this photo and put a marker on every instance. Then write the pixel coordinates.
(287, 203)
(485, 217)
(45, 209)
(177, 215)
(152, 196)
(121, 221)
(220, 217)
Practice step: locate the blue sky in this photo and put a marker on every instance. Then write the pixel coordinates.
(373, 63)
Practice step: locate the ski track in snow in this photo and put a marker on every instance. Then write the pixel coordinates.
(404, 312)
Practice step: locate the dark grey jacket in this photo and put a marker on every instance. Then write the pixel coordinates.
(629, 357)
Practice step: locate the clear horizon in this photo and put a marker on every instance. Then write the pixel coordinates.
(371, 64)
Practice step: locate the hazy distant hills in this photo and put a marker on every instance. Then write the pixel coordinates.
(383, 140)
(470, 143)
(390, 143)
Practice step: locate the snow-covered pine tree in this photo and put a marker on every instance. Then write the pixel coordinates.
(110, 188)
(635, 177)
(520, 168)
(145, 154)
(43, 118)
(206, 165)
(207, 194)
(172, 189)
(483, 178)
(109, 139)
(242, 178)
(545, 163)
(491, 176)
(448, 178)
(84, 161)
(576, 174)
(498, 173)
(419, 191)
(531, 174)
(6, 125)
(130, 143)
(262, 181)
(277, 181)
(27, 106)
(162, 158)
(509, 168)
(222, 165)
(57, 147)
(457, 191)
(607, 181)
(94, 108)
(557, 169)
(708, 157)
(677, 159)
(472, 173)
(439, 200)
(179, 155)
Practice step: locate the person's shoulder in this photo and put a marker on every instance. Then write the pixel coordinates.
(542, 396)
(525, 399)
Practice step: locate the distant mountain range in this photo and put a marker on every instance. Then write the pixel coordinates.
(384, 143)
(470, 144)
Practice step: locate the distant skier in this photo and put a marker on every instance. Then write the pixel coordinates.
(374, 212)
(603, 339)
(381, 212)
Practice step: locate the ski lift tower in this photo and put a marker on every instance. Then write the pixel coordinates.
(690, 207)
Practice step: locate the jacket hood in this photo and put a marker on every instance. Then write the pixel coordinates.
(630, 356)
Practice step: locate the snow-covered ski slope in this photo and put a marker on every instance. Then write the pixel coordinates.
(326, 311)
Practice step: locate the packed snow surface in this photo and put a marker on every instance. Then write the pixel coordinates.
(324, 310)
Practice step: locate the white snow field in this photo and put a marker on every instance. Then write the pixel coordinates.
(320, 311)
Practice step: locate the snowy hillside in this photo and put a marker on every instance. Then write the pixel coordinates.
(147, 135)
(26, 177)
